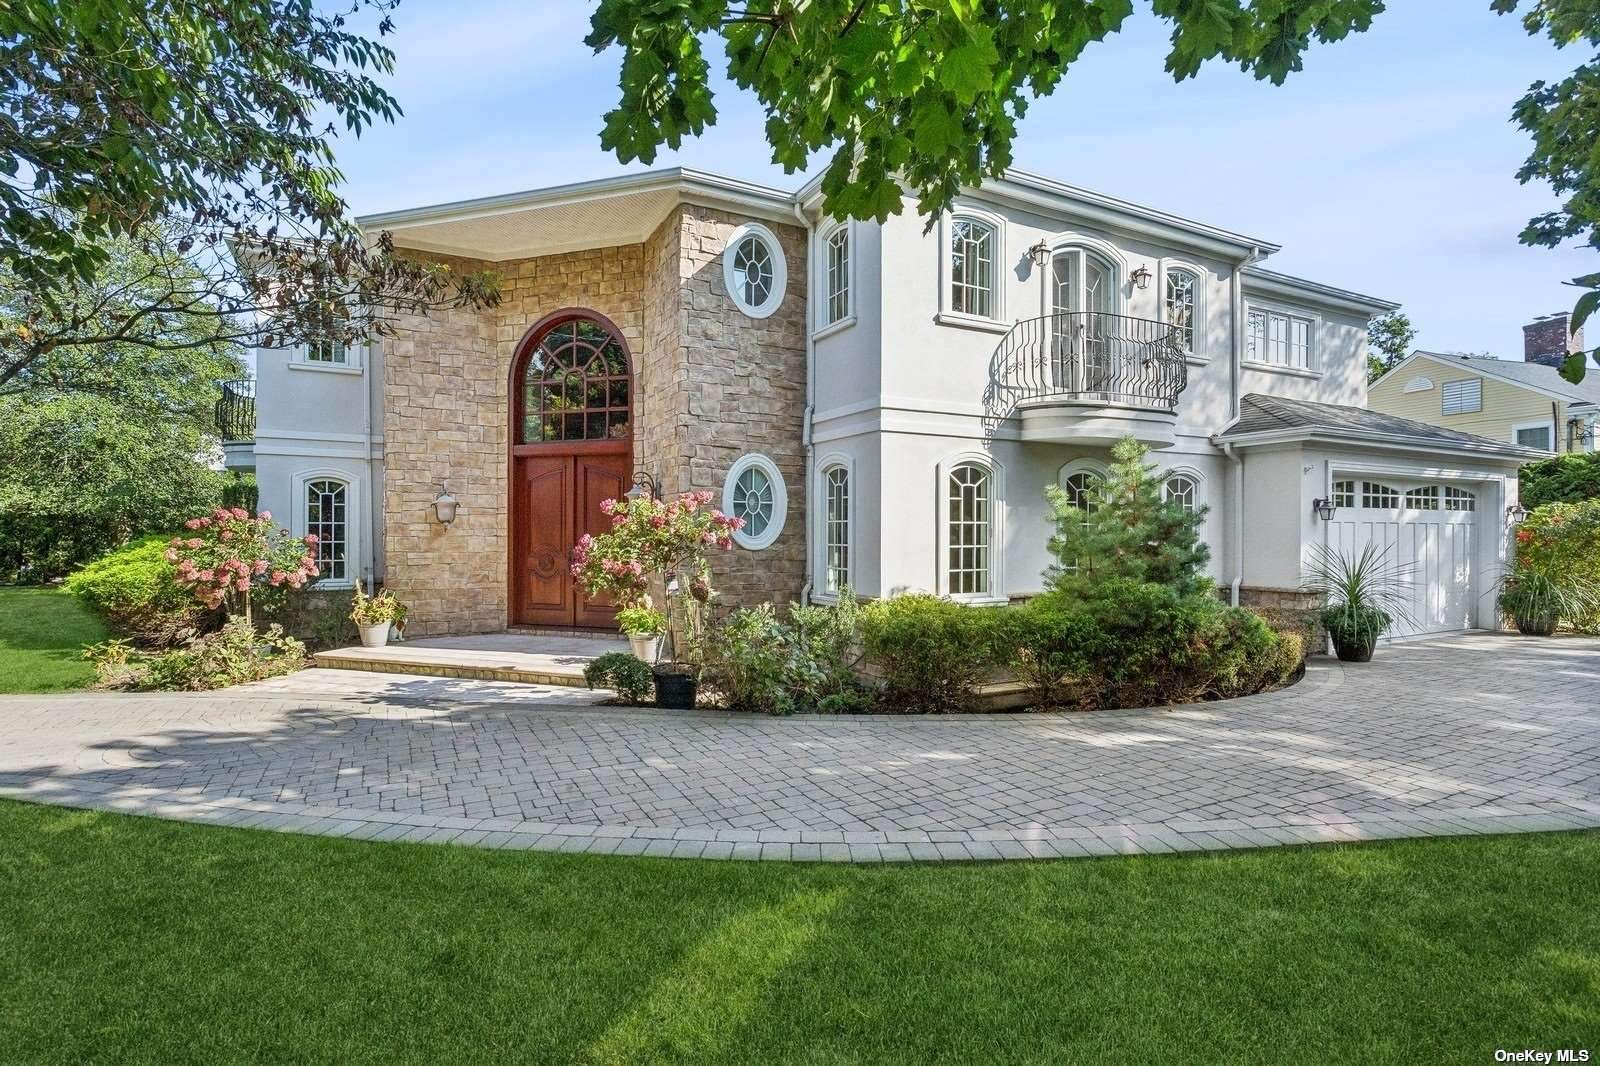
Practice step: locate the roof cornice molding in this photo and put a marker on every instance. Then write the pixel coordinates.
(1286, 285)
(1511, 453)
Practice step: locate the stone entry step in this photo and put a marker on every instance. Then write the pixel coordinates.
(524, 658)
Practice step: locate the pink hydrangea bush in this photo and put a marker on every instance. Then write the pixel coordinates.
(229, 552)
(651, 539)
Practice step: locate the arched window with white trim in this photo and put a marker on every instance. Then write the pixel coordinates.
(970, 499)
(1183, 489)
(1181, 305)
(836, 275)
(327, 517)
(1082, 486)
(836, 529)
(974, 267)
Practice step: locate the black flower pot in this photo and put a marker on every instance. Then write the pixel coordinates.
(1538, 626)
(1354, 650)
(675, 689)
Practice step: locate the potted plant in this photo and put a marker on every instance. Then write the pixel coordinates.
(677, 686)
(1362, 595)
(1536, 601)
(643, 626)
(375, 615)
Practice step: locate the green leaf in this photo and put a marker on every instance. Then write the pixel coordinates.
(1573, 368)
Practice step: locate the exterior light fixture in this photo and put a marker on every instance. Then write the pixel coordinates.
(644, 486)
(1039, 253)
(444, 506)
(1141, 277)
(1517, 514)
(1324, 508)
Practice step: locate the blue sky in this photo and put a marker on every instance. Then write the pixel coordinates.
(1386, 166)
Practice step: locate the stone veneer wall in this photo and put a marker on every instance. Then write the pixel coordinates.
(710, 385)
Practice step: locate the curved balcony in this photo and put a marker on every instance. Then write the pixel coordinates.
(236, 423)
(1087, 377)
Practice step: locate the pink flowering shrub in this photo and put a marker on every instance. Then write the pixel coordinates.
(228, 552)
(651, 538)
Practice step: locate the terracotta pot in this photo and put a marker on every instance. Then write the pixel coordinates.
(375, 636)
(1542, 626)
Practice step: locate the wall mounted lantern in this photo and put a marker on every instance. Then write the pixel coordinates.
(1517, 514)
(1324, 508)
(644, 486)
(444, 506)
(1141, 277)
(1039, 253)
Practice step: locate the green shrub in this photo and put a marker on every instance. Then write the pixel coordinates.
(760, 662)
(136, 591)
(1135, 644)
(1562, 542)
(233, 655)
(629, 677)
(930, 653)
(1570, 478)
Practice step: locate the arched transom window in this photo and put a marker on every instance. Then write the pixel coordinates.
(1183, 490)
(327, 519)
(576, 385)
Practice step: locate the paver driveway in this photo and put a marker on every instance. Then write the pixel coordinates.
(1477, 733)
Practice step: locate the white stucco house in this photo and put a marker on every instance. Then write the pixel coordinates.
(883, 403)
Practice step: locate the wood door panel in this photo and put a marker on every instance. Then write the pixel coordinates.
(545, 539)
(597, 478)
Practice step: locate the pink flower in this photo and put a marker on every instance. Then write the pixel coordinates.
(194, 542)
(708, 537)
(240, 512)
(206, 575)
(311, 538)
(586, 541)
(172, 555)
(704, 495)
(193, 523)
(278, 577)
(265, 516)
(659, 521)
(260, 567)
(618, 521)
(577, 569)
(175, 542)
(737, 523)
(227, 534)
(724, 542)
(244, 584)
(606, 507)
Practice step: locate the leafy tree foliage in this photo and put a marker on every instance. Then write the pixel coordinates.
(1389, 340)
(1563, 117)
(202, 127)
(928, 93)
(1570, 478)
(1129, 532)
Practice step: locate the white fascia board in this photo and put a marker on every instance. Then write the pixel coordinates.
(698, 185)
(1476, 366)
(1285, 285)
(1490, 450)
(1387, 374)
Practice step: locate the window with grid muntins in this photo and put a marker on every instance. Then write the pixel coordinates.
(333, 352)
(1461, 397)
(836, 538)
(753, 500)
(753, 268)
(1080, 489)
(1344, 493)
(1459, 499)
(576, 386)
(1535, 437)
(1184, 491)
(838, 294)
(1181, 304)
(968, 564)
(972, 267)
(326, 519)
(1277, 338)
(1379, 496)
(1423, 499)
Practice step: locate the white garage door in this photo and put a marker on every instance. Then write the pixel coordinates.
(1427, 526)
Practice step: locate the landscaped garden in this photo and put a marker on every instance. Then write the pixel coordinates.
(130, 939)
(42, 636)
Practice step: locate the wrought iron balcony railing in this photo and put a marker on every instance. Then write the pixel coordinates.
(236, 410)
(1092, 357)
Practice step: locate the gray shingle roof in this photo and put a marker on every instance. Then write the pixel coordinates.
(1543, 377)
(1260, 413)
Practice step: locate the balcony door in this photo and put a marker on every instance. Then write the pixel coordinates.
(1084, 291)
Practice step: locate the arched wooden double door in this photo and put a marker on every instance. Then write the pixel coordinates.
(571, 448)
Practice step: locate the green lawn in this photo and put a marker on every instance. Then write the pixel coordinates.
(42, 636)
(125, 939)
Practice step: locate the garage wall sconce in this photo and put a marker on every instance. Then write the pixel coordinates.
(1324, 508)
(1516, 514)
(444, 506)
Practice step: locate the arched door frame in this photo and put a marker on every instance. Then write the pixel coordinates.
(516, 410)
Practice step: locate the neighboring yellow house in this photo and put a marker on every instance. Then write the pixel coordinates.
(1521, 403)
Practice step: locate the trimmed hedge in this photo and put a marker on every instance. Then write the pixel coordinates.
(1125, 644)
(136, 591)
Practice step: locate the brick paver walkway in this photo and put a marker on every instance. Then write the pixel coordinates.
(1465, 735)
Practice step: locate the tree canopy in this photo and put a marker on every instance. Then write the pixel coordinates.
(928, 93)
(1389, 340)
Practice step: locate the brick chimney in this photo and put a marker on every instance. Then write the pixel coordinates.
(1546, 341)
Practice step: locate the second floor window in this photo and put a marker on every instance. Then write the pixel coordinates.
(837, 305)
(972, 267)
(333, 353)
(1181, 304)
(1461, 397)
(1277, 338)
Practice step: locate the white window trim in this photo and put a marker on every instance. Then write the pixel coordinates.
(1080, 466)
(1537, 423)
(821, 327)
(355, 356)
(1313, 339)
(997, 495)
(780, 499)
(780, 270)
(948, 316)
(1201, 499)
(1197, 354)
(819, 523)
(1083, 245)
(352, 514)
